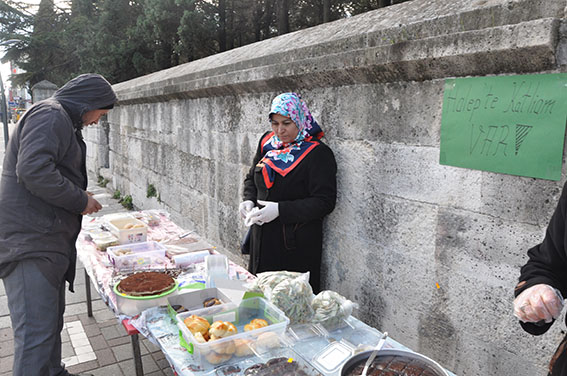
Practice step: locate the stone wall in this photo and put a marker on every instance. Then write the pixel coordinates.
(403, 223)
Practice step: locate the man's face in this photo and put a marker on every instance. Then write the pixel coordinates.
(92, 117)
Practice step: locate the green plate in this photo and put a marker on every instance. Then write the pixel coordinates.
(144, 297)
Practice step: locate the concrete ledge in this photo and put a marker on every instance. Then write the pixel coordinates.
(435, 41)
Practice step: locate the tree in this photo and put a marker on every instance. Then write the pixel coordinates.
(283, 16)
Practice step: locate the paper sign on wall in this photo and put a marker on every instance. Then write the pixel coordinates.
(508, 124)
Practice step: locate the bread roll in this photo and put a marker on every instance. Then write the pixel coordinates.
(221, 329)
(255, 324)
(215, 358)
(197, 324)
(268, 340)
(242, 347)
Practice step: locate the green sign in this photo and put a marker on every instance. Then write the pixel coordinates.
(510, 124)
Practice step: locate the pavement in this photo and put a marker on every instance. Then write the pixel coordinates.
(98, 345)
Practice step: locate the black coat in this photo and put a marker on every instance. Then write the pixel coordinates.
(42, 189)
(547, 264)
(293, 241)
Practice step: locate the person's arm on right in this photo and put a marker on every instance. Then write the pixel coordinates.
(546, 266)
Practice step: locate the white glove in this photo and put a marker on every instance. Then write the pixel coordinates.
(245, 207)
(268, 213)
(539, 302)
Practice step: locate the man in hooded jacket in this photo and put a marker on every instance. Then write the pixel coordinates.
(42, 199)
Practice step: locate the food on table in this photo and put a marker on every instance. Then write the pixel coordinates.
(276, 367)
(331, 308)
(123, 252)
(146, 284)
(225, 347)
(133, 225)
(242, 347)
(215, 358)
(211, 302)
(179, 308)
(255, 324)
(197, 324)
(221, 329)
(199, 337)
(266, 341)
(289, 291)
(397, 365)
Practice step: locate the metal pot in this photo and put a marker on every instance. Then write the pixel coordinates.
(361, 358)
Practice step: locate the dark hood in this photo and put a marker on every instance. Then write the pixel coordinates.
(84, 93)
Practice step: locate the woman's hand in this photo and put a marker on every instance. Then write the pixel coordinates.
(268, 213)
(537, 303)
(245, 207)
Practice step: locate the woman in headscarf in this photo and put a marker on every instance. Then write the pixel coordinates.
(290, 187)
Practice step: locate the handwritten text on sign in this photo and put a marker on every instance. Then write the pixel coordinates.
(510, 124)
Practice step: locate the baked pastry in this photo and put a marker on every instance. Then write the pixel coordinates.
(242, 347)
(146, 284)
(221, 329)
(211, 302)
(226, 347)
(255, 324)
(215, 358)
(268, 340)
(197, 324)
(199, 338)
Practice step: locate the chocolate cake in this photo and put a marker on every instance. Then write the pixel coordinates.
(393, 366)
(146, 284)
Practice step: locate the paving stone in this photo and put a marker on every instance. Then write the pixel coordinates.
(75, 309)
(5, 322)
(122, 352)
(113, 369)
(69, 317)
(98, 342)
(67, 350)
(85, 366)
(103, 315)
(4, 306)
(6, 363)
(148, 364)
(6, 348)
(119, 341)
(105, 357)
(157, 373)
(110, 332)
(163, 364)
(92, 330)
(6, 334)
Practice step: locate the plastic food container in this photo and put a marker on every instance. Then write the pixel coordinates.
(243, 344)
(332, 357)
(137, 256)
(128, 229)
(133, 305)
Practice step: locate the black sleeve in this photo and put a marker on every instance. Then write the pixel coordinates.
(322, 187)
(44, 139)
(250, 191)
(547, 261)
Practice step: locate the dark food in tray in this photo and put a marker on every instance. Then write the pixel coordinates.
(276, 367)
(393, 366)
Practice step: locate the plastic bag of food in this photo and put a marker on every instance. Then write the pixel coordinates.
(330, 308)
(289, 291)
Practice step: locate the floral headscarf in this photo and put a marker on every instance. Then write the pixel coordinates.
(280, 157)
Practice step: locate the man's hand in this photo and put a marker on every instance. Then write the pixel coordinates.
(537, 303)
(92, 206)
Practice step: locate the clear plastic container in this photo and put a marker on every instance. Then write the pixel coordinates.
(243, 344)
(128, 229)
(137, 256)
